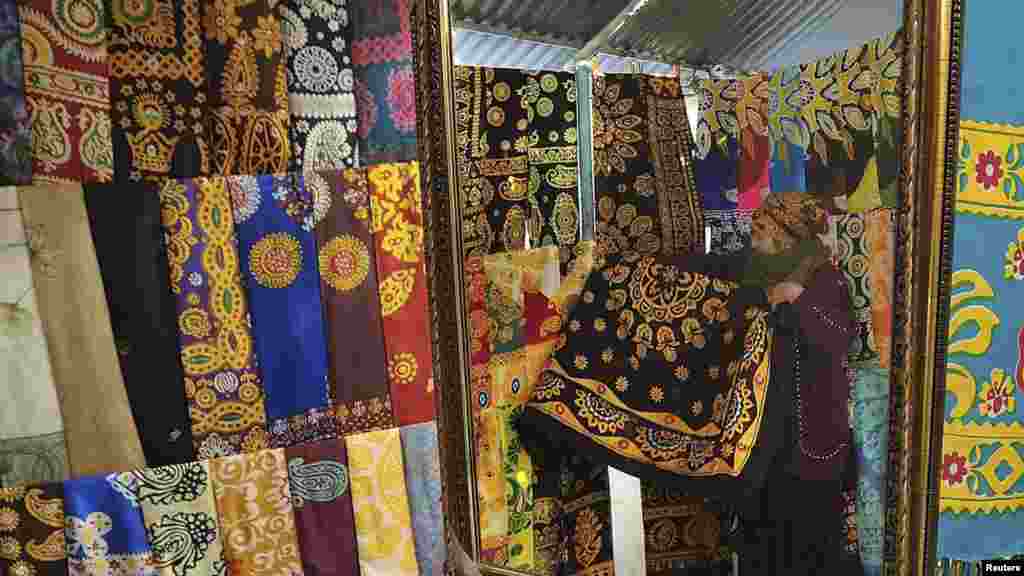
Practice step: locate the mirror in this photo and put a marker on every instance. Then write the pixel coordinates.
(569, 180)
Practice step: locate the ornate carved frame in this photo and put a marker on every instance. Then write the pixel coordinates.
(931, 89)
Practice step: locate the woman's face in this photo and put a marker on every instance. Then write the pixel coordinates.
(766, 236)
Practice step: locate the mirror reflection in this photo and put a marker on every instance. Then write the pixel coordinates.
(681, 269)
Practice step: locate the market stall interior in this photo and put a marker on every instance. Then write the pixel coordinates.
(681, 241)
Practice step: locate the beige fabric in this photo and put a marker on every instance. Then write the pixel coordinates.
(101, 434)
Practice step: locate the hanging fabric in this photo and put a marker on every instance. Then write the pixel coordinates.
(587, 538)
(254, 510)
(855, 258)
(730, 230)
(32, 521)
(104, 530)
(223, 382)
(397, 224)
(32, 446)
(276, 216)
(381, 504)
(754, 172)
(881, 75)
(318, 477)
(126, 229)
(789, 132)
(385, 83)
(317, 47)
(100, 431)
(246, 88)
(159, 106)
(423, 481)
(15, 123)
(64, 52)
(717, 149)
(870, 439)
(677, 527)
(347, 259)
(880, 235)
(180, 514)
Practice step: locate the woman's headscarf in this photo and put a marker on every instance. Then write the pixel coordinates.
(795, 221)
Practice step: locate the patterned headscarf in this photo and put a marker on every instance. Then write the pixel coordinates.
(797, 215)
(796, 221)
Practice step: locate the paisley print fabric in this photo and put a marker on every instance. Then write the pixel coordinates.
(223, 383)
(648, 199)
(160, 110)
(104, 531)
(278, 263)
(699, 406)
(32, 530)
(180, 515)
(100, 431)
(396, 207)
(317, 46)
(385, 84)
(380, 500)
(246, 88)
(126, 229)
(64, 50)
(318, 475)
(254, 508)
(347, 261)
(423, 482)
(16, 131)
(587, 517)
(493, 126)
(31, 426)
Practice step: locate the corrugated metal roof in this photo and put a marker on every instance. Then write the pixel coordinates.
(474, 48)
(736, 34)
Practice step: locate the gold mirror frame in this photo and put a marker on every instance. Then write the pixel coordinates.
(931, 97)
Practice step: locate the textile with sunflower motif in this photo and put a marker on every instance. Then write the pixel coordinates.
(126, 229)
(275, 219)
(254, 510)
(396, 209)
(319, 481)
(385, 82)
(677, 527)
(223, 383)
(356, 367)
(159, 105)
(15, 123)
(246, 88)
(104, 531)
(647, 196)
(662, 372)
(384, 529)
(179, 510)
(32, 530)
(981, 496)
(317, 46)
(493, 127)
(67, 91)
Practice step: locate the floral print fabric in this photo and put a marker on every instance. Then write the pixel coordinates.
(385, 84)
(347, 260)
(380, 500)
(223, 383)
(254, 507)
(396, 207)
(275, 217)
(64, 51)
(317, 46)
(104, 531)
(32, 530)
(318, 476)
(160, 110)
(180, 515)
(16, 134)
(647, 199)
(31, 426)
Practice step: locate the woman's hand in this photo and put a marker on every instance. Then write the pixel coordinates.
(784, 292)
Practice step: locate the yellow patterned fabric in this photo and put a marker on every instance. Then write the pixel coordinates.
(983, 437)
(254, 505)
(381, 505)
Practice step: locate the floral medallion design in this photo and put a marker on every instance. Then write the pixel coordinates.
(344, 262)
(276, 260)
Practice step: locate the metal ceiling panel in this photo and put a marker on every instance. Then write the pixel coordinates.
(567, 22)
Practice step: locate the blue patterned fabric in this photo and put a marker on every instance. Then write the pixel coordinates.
(104, 532)
(789, 167)
(274, 221)
(870, 440)
(716, 176)
(423, 484)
